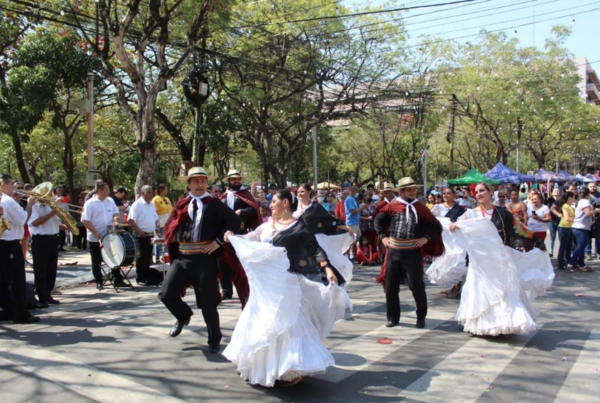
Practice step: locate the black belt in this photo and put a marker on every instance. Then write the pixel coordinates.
(45, 236)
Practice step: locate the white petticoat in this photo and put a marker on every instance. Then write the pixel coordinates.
(501, 284)
(450, 268)
(280, 331)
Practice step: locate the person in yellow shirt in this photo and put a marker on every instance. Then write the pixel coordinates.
(565, 233)
(163, 209)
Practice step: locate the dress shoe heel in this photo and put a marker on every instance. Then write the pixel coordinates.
(391, 323)
(420, 323)
(178, 327)
(214, 348)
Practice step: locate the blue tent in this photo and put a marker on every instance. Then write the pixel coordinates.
(565, 175)
(505, 175)
(581, 178)
(543, 176)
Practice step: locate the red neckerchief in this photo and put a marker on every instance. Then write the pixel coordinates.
(245, 195)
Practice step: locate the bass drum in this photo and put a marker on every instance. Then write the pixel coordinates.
(118, 249)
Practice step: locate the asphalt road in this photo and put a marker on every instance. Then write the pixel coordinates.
(108, 347)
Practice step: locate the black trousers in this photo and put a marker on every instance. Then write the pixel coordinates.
(143, 257)
(96, 255)
(63, 238)
(401, 264)
(80, 241)
(201, 271)
(13, 297)
(226, 282)
(44, 249)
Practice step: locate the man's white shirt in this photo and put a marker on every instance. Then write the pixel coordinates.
(144, 215)
(16, 216)
(100, 214)
(50, 227)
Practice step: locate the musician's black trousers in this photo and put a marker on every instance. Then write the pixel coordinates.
(96, 254)
(13, 297)
(401, 263)
(143, 257)
(44, 249)
(201, 271)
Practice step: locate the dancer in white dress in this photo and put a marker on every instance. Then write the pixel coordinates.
(497, 298)
(295, 300)
(449, 270)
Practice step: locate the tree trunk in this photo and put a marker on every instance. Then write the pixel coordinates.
(145, 175)
(19, 157)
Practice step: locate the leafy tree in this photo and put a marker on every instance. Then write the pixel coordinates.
(142, 47)
(288, 78)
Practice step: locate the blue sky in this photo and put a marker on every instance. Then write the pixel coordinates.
(469, 18)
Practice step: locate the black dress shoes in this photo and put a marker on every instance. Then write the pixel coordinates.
(53, 301)
(41, 305)
(26, 320)
(420, 323)
(213, 349)
(391, 323)
(178, 327)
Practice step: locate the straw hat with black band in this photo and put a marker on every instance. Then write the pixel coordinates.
(234, 173)
(407, 182)
(195, 171)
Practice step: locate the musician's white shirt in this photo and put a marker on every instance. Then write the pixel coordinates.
(144, 215)
(100, 214)
(50, 227)
(16, 216)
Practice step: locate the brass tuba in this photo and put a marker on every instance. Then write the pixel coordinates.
(43, 192)
(4, 224)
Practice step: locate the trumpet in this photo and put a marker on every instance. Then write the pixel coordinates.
(43, 192)
(4, 224)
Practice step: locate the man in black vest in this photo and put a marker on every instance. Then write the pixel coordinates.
(198, 226)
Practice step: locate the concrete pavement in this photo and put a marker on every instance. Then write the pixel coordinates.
(109, 347)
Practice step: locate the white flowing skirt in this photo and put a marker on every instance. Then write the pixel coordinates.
(280, 334)
(450, 268)
(501, 284)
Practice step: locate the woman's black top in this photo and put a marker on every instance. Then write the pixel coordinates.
(304, 253)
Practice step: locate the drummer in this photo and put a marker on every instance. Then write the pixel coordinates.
(144, 221)
(99, 213)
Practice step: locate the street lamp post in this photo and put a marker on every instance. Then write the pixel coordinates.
(196, 91)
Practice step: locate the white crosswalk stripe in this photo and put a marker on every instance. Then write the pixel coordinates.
(371, 351)
(581, 384)
(473, 365)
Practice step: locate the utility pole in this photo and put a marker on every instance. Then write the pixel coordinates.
(314, 150)
(519, 131)
(90, 121)
(450, 136)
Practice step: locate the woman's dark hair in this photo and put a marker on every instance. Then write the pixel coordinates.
(563, 199)
(160, 188)
(307, 187)
(285, 194)
(585, 192)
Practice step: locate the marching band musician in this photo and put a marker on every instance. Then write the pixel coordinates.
(198, 226)
(99, 213)
(44, 227)
(144, 221)
(13, 296)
